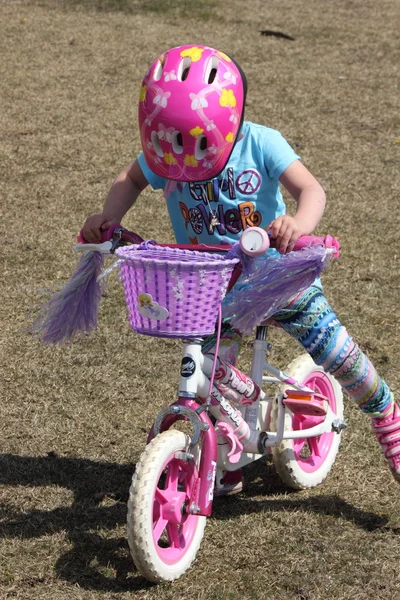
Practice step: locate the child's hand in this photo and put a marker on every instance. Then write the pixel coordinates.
(94, 225)
(285, 231)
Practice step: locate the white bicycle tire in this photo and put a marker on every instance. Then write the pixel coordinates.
(145, 552)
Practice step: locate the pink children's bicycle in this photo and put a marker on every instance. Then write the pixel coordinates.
(177, 291)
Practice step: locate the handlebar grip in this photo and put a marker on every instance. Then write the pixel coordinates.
(105, 235)
(312, 240)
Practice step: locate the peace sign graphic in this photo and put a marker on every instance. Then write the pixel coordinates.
(248, 182)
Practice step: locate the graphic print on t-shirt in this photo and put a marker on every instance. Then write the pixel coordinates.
(232, 219)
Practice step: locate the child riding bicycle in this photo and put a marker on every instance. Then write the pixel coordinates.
(221, 174)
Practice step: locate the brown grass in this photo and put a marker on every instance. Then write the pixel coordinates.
(73, 420)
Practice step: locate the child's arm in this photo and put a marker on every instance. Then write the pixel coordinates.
(122, 195)
(310, 198)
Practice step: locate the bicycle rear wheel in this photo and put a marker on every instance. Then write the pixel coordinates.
(163, 537)
(305, 462)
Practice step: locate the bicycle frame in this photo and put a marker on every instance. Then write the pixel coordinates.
(243, 428)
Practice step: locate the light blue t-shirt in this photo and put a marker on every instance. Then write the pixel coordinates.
(246, 193)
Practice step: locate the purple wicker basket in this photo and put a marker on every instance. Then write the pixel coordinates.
(171, 292)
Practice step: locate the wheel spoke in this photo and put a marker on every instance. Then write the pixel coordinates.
(300, 422)
(183, 477)
(158, 528)
(171, 482)
(310, 421)
(161, 496)
(173, 535)
(311, 383)
(298, 446)
(314, 446)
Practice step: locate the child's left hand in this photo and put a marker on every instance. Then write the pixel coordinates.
(285, 231)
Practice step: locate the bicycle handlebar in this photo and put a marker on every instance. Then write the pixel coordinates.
(117, 235)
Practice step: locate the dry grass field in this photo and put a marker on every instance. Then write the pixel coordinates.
(74, 420)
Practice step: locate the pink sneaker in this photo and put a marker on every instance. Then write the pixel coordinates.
(387, 430)
(231, 483)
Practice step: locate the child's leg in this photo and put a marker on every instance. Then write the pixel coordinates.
(310, 319)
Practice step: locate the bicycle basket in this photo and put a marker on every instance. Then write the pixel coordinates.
(171, 292)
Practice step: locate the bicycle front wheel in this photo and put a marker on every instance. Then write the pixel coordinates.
(163, 537)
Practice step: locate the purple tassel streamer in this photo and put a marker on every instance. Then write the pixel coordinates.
(74, 309)
(268, 282)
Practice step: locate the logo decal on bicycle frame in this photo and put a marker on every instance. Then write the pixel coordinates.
(150, 309)
(188, 366)
(211, 478)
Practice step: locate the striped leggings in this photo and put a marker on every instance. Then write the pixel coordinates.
(311, 321)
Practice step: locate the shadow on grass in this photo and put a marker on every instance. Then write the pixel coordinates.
(261, 479)
(100, 491)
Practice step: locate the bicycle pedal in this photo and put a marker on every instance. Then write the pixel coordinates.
(301, 403)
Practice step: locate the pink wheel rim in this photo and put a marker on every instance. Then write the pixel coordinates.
(173, 528)
(318, 448)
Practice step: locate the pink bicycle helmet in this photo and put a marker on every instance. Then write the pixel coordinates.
(190, 112)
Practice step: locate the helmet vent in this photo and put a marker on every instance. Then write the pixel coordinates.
(211, 69)
(177, 142)
(156, 144)
(158, 71)
(201, 147)
(184, 68)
